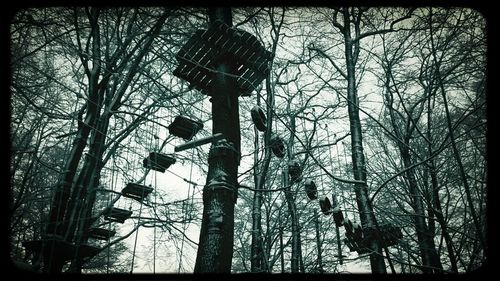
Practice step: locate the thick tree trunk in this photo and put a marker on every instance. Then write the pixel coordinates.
(215, 249)
(258, 261)
(430, 259)
(367, 216)
(436, 202)
(81, 221)
(470, 202)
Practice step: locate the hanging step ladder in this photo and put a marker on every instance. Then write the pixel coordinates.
(158, 161)
(277, 146)
(53, 245)
(258, 118)
(101, 233)
(325, 206)
(136, 191)
(338, 216)
(311, 191)
(184, 127)
(117, 215)
(294, 170)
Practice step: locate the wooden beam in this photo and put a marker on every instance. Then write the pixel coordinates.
(198, 142)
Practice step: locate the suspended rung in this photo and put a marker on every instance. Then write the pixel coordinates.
(184, 127)
(334, 201)
(325, 205)
(390, 234)
(294, 170)
(358, 232)
(59, 247)
(158, 161)
(311, 190)
(338, 217)
(136, 191)
(118, 215)
(101, 233)
(148, 163)
(258, 118)
(277, 146)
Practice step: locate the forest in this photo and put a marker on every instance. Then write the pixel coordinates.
(249, 139)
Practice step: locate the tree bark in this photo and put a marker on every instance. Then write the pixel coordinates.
(456, 153)
(430, 259)
(367, 216)
(257, 259)
(215, 249)
(436, 202)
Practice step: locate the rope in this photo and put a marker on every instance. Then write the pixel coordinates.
(135, 242)
(152, 136)
(157, 147)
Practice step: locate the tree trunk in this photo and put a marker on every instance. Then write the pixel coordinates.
(318, 241)
(456, 153)
(257, 259)
(436, 202)
(367, 216)
(430, 259)
(215, 249)
(296, 259)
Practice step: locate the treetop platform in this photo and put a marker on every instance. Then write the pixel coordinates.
(201, 54)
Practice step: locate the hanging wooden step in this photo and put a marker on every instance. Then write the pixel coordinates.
(294, 170)
(184, 127)
(311, 191)
(57, 246)
(117, 215)
(334, 201)
(390, 234)
(258, 118)
(325, 205)
(358, 232)
(136, 191)
(101, 233)
(277, 146)
(158, 161)
(199, 56)
(356, 239)
(338, 217)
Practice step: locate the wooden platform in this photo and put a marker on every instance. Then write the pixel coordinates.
(184, 127)
(158, 161)
(360, 240)
(136, 191)
(117, 215)
(101, 233)
(55, 245)
(201, 54)
(311, 190)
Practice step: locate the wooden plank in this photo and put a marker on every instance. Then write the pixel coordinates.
(205, 48)
(189, 44)
(198, 142)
